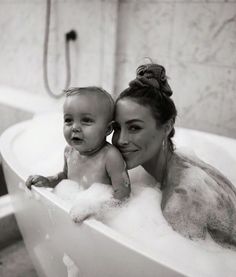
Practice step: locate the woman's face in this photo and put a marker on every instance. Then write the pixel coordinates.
(136, 133)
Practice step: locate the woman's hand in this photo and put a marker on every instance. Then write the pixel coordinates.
(38, 181)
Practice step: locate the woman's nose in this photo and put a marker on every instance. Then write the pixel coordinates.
(122, 138)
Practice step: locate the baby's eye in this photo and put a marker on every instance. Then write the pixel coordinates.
(87, 120)
(68, 120)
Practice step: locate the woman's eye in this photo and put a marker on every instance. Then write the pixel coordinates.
(134, 128)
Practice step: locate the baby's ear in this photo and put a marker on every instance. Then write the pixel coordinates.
(109, 128)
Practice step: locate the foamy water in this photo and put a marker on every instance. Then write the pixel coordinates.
(140, 219)
(40, 151)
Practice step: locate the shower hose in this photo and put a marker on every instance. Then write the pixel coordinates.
(68, 36)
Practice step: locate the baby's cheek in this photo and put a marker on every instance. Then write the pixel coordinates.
(66, 132)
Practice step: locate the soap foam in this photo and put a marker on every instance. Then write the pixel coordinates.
(140, 219)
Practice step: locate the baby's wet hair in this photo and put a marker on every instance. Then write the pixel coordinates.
(96, 90)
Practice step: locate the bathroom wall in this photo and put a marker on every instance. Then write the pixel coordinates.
(196, 42)
(22, 39)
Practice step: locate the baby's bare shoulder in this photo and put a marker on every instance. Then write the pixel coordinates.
(114, 158)
(67, 148)
(112, 152)
(67, 151)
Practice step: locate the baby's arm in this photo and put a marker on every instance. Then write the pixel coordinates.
(50, 181)
(116, 169)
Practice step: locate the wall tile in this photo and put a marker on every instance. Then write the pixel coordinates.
(196, 42)
(95, 24)
(144, 30)
(203, 95)
(21, 45)
(205, 33)
(109, 41)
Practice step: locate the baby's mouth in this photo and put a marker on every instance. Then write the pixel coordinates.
(76, 140)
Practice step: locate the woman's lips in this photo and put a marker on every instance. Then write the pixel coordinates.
(127, 153)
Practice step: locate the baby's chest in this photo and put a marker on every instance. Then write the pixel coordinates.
(86, 171)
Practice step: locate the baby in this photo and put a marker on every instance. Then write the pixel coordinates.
(88, 158)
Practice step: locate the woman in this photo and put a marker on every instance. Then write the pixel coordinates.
(196, 197)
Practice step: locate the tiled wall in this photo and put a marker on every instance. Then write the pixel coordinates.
(195, 40)
(22, 26)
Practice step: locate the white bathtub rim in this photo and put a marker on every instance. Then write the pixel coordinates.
(6, 207)
(218, 139)
(14, 131)
(11, 134)
(27, 100)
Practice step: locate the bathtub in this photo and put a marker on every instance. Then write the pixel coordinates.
(59, 247)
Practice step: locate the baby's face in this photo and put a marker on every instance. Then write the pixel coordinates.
(85, 122)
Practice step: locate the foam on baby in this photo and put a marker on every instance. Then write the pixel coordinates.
(83, 203)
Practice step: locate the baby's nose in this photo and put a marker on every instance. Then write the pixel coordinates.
(76, 127)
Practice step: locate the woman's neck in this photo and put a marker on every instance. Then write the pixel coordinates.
(158, 165)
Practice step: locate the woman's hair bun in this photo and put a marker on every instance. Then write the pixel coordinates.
(153, 75)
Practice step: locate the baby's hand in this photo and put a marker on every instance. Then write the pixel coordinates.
(38, 181)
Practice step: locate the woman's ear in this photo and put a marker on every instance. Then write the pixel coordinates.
(109, 128)
(168, 126)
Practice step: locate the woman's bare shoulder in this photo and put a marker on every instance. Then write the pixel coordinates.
(193, 170)
(180, 166)
(186, 175)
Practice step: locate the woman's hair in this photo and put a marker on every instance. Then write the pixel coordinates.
(151, 89)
